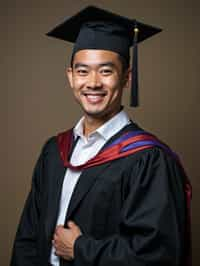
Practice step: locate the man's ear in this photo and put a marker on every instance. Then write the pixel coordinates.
(69, 76)
(127, 78)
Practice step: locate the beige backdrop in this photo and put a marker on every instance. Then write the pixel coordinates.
(36, 101)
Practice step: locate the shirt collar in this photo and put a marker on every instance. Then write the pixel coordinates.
(78, 129)
(108, 129)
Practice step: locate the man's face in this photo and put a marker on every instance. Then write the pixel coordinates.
(97, 80)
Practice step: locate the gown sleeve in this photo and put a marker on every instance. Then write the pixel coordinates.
(25, 244)
(152, 219)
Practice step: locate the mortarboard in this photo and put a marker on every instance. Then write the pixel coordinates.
(96, 28)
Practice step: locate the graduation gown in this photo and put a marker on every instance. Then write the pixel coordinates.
(131, 211)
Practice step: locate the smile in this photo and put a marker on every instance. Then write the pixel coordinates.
(94, 97)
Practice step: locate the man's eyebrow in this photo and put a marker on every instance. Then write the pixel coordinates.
(77, 65)
(110, 64)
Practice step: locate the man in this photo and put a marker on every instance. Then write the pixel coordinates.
(106, 192)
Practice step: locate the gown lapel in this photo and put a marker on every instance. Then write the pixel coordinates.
(57, 175)
(85, 183)
(55, 189)
(89, 176)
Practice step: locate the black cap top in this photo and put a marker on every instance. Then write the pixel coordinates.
(96, 28)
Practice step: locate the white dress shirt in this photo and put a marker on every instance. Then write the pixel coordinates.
(85, 149)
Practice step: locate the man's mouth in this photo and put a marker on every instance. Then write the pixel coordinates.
(96, 97)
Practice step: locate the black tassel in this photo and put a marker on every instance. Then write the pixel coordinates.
(134, 84)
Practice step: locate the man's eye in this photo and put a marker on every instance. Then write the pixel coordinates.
(82, 71)
(106, 71)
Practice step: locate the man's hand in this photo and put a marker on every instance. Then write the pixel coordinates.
(64, 239)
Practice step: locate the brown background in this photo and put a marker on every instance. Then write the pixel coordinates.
(36, 101)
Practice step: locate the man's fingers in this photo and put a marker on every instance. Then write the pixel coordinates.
(55, 236)
(71, 224)
(58, 228)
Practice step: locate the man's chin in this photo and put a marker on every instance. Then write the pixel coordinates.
(94, 113)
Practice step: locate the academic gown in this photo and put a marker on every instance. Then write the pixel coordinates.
(131, 211)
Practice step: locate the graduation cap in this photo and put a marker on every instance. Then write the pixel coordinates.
(96, 28)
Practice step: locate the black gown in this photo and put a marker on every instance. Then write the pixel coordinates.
(131, 211)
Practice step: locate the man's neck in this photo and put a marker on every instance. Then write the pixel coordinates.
(90, 124)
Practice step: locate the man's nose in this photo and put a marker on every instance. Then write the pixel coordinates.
(94, 80)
